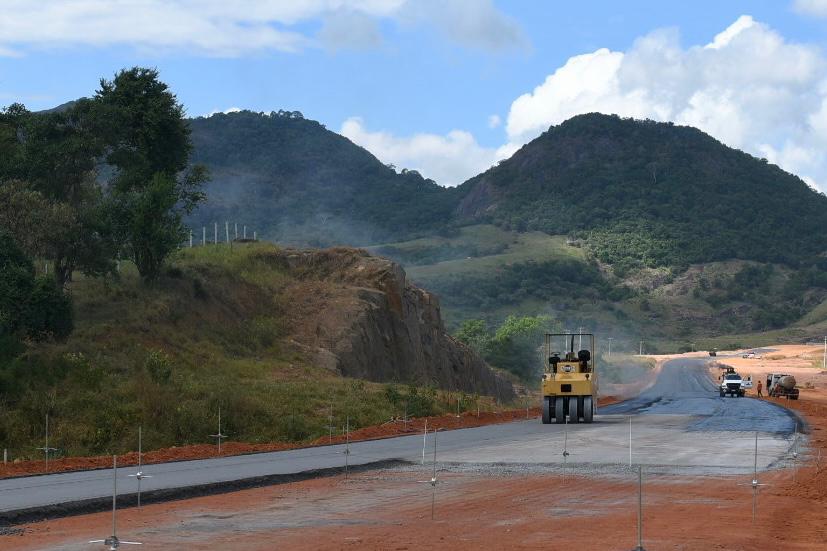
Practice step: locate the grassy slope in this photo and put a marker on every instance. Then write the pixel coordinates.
(479, 251)
(209, 333)
(666, 313)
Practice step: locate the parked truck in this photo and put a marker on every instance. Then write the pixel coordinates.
(732, 384)
(782, 384)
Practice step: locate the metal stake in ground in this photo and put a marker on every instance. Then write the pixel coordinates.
(347, 446)
(329, 424)
(565, 445)
(639, 509)
(46, 449)
(139, 475)
(754, 483)
(433, 478)
(795, 453)
(219, 435)
(424, 438)
(113, 542)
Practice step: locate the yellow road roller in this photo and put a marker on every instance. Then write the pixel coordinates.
(569, 378)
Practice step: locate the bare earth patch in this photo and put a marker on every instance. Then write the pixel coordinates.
(391, 509)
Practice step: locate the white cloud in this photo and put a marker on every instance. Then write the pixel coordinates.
(748, 87)
(494, 121)
(350, 30)
(8, 52)
(474, 23)
(815, 8)
(221, 28)
(449, 159)
(725, 37)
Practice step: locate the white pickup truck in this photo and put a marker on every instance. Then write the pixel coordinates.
(732, 384)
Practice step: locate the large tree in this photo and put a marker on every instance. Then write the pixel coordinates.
(149, 147)
(59, 212)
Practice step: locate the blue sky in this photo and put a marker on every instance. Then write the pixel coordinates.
(418, 82)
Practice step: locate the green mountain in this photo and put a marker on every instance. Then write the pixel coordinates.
(648, 194)
(601, 221)
(294, 181)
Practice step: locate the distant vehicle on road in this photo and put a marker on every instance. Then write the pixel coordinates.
(748, 355)
(713, 352)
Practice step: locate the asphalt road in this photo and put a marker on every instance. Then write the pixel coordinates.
(678, 423)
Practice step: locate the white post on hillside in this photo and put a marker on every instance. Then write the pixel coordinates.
(203, 235)
(236, 230)
(245, 232)
(215, 239)
(190, 239)
(227, 231)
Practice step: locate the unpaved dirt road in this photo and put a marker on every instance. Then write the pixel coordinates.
(679, 425)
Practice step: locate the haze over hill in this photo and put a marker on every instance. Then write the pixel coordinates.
(601, 221)
(651, 194)
(297, 182)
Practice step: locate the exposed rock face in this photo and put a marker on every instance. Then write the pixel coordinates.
(356, 314)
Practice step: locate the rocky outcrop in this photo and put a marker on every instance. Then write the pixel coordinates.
(357, 315)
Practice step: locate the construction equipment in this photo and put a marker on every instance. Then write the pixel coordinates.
(732, 384)
(782, 384)
(569, 378)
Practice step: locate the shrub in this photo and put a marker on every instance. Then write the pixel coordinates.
(48, 311)
(158, 365)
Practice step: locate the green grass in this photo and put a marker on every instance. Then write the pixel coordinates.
(518, 247)
(669, 318)
(210, 332)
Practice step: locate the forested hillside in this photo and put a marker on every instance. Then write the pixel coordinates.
(601, 221)
(647, 194)
(636, 193)
(297, 182)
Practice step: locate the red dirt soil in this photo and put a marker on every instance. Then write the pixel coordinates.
(391, 510)
(204, 451)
